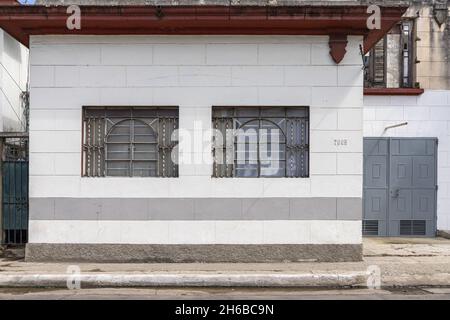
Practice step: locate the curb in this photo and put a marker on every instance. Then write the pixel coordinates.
(183, 280)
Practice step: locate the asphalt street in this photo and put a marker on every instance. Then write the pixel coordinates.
(226, 294)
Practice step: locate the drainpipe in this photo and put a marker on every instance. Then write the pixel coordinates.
(25, 99)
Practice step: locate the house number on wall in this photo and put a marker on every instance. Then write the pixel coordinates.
(340, 142)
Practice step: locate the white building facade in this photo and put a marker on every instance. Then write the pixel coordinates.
(95, 196)
(195, 74)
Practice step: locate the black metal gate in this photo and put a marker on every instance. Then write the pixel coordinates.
(14, 209)
(15, 202)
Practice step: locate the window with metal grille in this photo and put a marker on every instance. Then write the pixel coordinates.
(256, 142)
(375, 73)
(129, 141)
(391, 62)
(407, 53)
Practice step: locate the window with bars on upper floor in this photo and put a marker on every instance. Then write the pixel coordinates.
(129, 141)
(391, 62)
(257, 142)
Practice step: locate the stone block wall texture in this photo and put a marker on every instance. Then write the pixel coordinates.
(194, 73)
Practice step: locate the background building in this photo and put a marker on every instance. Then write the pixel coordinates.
(14, 77)
(414, 56)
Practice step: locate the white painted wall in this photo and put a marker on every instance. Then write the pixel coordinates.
(13, 81)
(196, 232)
(194, 73)
(427, 115)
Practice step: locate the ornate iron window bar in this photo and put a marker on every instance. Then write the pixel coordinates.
(233, 125)
(129, 141)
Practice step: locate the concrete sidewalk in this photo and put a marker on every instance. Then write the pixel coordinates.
(402, 262)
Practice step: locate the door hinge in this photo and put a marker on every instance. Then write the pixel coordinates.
(437, 188)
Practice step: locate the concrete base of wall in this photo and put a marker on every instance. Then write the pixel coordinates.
(114, 253)
(444, 234)
(10, 252)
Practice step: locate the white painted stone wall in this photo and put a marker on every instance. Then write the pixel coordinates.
(195, 73)
(196, 232)
(13, 81)
(427, 115)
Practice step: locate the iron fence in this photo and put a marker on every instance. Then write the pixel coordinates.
(14, 209)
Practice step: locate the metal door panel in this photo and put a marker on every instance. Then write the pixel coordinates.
(375, 207)
(400, 185)
(401, 172)
(431, 228)
(400, 205)
(375, 184)
(423, 204)
(411, 146)
(393, 228)
(376, 146)
(376, 172)
(424, 171)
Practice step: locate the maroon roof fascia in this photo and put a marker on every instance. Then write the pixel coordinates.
(23, 21)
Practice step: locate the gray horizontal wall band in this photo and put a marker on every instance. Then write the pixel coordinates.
(200, 209)
(119, 253)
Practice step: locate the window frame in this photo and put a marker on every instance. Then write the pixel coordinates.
(411, 55)
(411, 51)
(102, 156)
(261, 119)
(370, 76)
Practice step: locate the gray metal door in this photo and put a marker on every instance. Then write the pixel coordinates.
(400, 186)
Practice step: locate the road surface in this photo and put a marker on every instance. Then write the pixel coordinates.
(225, 294)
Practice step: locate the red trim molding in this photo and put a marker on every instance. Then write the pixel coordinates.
(336, 21)
(9, 3)
(393, 91)
(338, 43)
